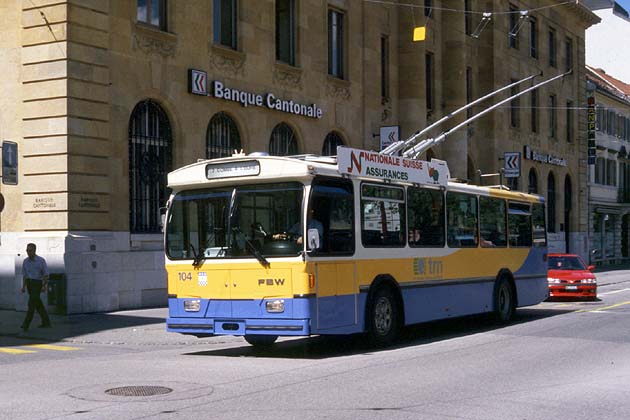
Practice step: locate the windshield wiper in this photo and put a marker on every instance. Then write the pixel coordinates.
(251, 247)
(198, 258)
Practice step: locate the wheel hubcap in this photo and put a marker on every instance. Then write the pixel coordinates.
(383, 316)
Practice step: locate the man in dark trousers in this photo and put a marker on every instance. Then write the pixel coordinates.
(35, 279)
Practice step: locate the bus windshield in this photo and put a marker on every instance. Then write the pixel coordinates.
(255, 220)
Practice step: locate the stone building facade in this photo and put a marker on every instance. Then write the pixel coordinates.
(101, 98)
(609, 180)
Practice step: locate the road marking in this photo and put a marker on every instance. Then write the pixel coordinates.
(15, 351)
(51, 347)
(606, 307)
(613, 292)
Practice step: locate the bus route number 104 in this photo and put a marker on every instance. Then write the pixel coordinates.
(183, 275)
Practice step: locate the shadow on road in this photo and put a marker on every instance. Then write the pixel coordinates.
(72, 326)
(323, 347)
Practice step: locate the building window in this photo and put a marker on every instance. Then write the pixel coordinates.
(428, 8)
(533, 37)
(225, 19)
(532, 186)
(552, 48)
(600, 121)
(428, 80)
(534, 111)
(335, 43)
(611, 172)
(283, 141)
(285, 31)
(384, 68)
(600, 170)
(551, 202)
(515, 105)
(552, 116)
(222, 137)
(152, 12)
(568, 54)
(467, 18)
(513, 29)
(331, 142)
(150, 144)
(569, 121)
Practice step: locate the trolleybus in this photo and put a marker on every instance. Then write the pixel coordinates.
(264, 246)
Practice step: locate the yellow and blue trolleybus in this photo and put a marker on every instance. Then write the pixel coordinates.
(265, 246)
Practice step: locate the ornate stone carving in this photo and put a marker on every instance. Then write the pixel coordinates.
(287, 76)
(151, 41)
(338, 89)
(227, 61)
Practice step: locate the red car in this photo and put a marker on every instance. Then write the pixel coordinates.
(568, 276)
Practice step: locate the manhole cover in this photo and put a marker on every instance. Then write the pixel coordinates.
(138, 391)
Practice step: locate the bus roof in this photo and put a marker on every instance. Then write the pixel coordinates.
(258, 167)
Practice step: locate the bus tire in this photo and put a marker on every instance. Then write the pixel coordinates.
(261, 341)
(504, 301)
(383, 317)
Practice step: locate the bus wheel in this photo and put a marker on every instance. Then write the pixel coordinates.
(504, 301)
(261, 341)
(384, 325)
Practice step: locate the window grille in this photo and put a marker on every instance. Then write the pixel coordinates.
(330, 144)
(150, 143)
(222, 137)
(283, 141)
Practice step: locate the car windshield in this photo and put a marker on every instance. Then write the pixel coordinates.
(566, 263)
(232, 222)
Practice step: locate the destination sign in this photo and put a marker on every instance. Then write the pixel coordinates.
(392, 168)
(232, 169)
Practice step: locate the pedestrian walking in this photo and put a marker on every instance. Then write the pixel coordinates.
(34, 279)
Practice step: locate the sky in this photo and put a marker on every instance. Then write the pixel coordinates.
(606, 44)
(625, 4)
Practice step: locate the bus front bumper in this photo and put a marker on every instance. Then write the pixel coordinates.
(207, 327)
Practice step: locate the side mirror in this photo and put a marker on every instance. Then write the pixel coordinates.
(590, 268)
(313, 239)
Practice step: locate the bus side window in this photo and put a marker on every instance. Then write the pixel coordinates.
(382, 216)
(332, 204)
(492, 222)
(538, 222)
(461, 211)
(520, 225)
(426, 217)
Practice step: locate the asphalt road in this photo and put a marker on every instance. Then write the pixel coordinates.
(558, 360)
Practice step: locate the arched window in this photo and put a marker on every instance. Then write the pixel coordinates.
(532, 186)
(283, 141)
(222, 137)
(331, 142)
(551, 202)
(150, 143)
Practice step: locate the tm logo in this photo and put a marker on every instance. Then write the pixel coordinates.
(427, 266)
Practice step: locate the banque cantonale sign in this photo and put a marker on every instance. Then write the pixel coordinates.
(531, 154)
(269, 100)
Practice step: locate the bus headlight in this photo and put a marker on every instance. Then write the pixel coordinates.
(275, 306)
(192, 305)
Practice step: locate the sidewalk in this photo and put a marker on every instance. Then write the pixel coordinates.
(135, 327)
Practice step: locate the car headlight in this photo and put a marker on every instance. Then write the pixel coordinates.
(589, 281)
(552, 280)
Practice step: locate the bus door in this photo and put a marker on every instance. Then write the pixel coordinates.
(336, 294)
(331, 213)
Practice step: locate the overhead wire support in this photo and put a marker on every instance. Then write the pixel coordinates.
(404, 144)
(424, 145)
(485, 20)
